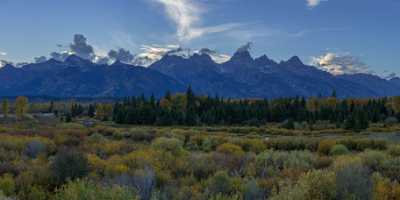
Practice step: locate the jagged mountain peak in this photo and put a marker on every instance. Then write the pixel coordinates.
(264, 60)
(8, 66)
(205, 58)
(215, 56)
(242, 56)
(294, 61)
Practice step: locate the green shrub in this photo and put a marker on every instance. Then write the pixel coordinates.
(226, 197)
(7, 184)
(391, 169)
(220, 183)
(373, 159)
(141, 135)
(293, 144)
(394, 150)
(4, 197)
(86, 190)
(251, 191)
(338, 150)
(201, 165)
(315, 185)
(230, 157)
(271, 162)
(251, 145)
(172, 145)
(69, 165)
(230, 149)
(33, 192)
(363, 144)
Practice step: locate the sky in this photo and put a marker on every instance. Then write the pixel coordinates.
(339, 36)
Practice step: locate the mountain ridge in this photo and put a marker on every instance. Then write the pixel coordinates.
(242, 76)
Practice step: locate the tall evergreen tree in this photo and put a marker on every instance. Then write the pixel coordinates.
(191, 116)
(5, 108)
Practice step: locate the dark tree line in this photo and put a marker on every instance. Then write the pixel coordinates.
(189, 109)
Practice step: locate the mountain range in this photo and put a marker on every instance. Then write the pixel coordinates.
(242, 76)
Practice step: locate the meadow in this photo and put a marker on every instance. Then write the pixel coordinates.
(48, 159)
(189, 147)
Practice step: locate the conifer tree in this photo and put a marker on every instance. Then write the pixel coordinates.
(5, 108)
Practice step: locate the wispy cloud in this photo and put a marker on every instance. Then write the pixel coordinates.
(187, 15)
(2, 53)
(254, 31)
(318, 30)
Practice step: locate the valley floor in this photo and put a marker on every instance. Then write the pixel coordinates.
(90, 159)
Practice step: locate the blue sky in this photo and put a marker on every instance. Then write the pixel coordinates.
(363, 34)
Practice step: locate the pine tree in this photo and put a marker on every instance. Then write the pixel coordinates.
(6, 108)
(334, 94)
(191, 117)
(51, 107)
(91, 111)
(350, 123)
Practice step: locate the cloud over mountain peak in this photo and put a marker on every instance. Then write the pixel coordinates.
(339, 64)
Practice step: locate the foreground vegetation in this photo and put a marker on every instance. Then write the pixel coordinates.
(72, 151)
(107, 161)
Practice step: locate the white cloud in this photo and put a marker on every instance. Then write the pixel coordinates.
(389, 75)
(217, 57)
(152, 53)
(314, 3)
(2, 53)
(4, 62)
(339, 64)
(156, 51)
(186, 14)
